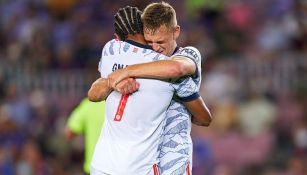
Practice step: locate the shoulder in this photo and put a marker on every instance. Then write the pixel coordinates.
(110, 47)
(190, 52)
(151, 55)
(109, 43)
(112, 42)
(190, 48)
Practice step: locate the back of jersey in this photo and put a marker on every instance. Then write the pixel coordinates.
(129, 139)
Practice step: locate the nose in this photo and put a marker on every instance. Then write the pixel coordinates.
(155, 47)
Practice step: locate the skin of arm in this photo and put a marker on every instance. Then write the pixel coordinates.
(177, 67)
(200, 113)
(100, 89)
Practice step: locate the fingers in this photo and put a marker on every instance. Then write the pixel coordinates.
(116, 77)
(127, 86)
(134, 85)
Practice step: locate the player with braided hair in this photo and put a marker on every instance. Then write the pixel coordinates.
(130, 136)
(128, 21)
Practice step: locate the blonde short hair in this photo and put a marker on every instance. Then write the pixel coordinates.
(156, 15)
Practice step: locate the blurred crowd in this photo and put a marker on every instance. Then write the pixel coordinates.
(254, 81)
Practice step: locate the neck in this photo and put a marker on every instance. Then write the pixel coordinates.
(137, 38)
(173, 50)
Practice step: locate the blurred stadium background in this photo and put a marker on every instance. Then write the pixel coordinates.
(254, 81)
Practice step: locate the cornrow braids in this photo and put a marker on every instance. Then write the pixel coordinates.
(137, 19)
(127, 20)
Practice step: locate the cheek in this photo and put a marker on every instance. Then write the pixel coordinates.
(166, 46)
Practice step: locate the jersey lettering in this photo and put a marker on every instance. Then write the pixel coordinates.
(118, 66)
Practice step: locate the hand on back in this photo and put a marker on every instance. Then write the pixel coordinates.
(117, 76)
(127, 86)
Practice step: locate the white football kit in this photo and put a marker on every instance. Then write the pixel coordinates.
(176, 148)
(132, 131)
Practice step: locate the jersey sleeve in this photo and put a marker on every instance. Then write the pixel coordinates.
(186, 89)
(193, 54)
(76, 119)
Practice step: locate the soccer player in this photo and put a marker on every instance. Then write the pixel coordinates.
(161, 31)
(130, 136)
(87, 119)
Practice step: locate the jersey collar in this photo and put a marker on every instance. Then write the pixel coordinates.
(138, 44)
(176, 49)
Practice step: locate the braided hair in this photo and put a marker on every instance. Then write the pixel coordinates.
(127, 20)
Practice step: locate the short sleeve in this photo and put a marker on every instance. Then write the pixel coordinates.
(193, 54)
(186, 89)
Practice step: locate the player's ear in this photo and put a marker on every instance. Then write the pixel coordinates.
(116, 36)
(177, 32)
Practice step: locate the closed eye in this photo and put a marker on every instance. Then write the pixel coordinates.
(149, 43)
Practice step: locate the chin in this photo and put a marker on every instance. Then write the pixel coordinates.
(163, 52)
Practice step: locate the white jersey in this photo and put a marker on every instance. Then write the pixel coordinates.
(176, 147)
(132, 130)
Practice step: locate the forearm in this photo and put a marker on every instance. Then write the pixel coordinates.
(163, 69)
(199, 111)
(99, 90)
